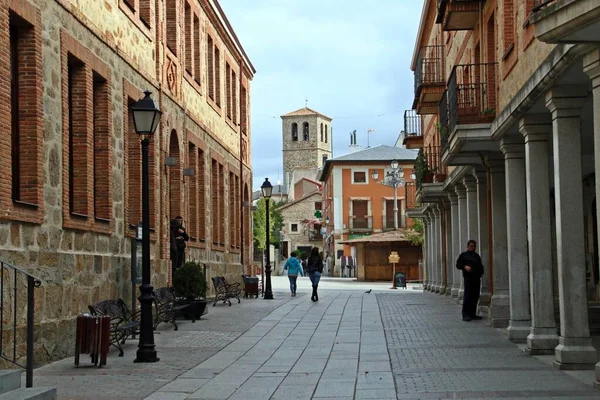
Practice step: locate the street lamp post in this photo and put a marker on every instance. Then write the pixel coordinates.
(393, 178)
(146, 116)
(267, 189)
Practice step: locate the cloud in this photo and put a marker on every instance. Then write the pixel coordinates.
(349, 58)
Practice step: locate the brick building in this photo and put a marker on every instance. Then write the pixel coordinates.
(301, 229)
(355, 205)
(508, 94)
(70, 175)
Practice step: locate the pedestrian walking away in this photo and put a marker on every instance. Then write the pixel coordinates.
(315, 268)
(293, 268)
(472, 268)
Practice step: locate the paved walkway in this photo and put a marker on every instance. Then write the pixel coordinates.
(387, 344)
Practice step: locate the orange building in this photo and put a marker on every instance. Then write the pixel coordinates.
(356, 205)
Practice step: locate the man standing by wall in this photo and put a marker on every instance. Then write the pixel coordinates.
(470, 264)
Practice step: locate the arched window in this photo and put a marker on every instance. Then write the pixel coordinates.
(325, 133)
(294, 132)
(321, 132)
(305, 131)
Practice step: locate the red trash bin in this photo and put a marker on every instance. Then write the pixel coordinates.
(92, 337)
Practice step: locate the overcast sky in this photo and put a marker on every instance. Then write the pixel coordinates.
(350, 58)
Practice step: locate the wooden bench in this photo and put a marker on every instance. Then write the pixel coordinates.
(167, 307)
(224, 291)
(123, 323)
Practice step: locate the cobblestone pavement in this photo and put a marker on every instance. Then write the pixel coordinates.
(402, 344)
(435, 355)
(179, 351)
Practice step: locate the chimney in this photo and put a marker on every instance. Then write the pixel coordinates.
(353, 146)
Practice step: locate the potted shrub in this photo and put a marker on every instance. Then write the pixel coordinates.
(189, 284)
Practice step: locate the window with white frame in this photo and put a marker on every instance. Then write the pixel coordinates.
(294, 228)
(360, 176)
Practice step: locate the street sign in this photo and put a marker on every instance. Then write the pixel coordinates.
(394, 257)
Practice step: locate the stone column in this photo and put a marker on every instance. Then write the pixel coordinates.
(456, 274)
(516, 214)
(450, 261)
(472, 214)
(427, 280)
(536, 130)
(480, 174)
(441, 289)
(436, 248)
(463, 231)
(499, 303)
(591, 66)
(574, 350)
(430, 255)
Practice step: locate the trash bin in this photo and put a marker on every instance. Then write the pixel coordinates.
(92, 337)
(400, 279)
(250, 286)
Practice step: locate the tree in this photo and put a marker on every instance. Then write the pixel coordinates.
(260, 221)
(416, 235)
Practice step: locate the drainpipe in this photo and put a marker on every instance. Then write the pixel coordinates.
(241, 181)
(486, 164)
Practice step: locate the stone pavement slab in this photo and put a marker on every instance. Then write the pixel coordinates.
(436, 355)
(180, 352)
(349, 345)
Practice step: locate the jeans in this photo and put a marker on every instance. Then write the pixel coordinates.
(292, 279)
(315, 277)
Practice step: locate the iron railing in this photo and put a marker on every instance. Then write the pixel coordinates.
(471, 94)
(430, 67)
(443, 125)
(312, 236)
(412, 123)
(539, 4)
(387, 221)
(433, 157)
(11, 279)
(360, 222)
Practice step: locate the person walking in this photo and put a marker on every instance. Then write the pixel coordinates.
(315, 268)
(293, 267)
(472, 268)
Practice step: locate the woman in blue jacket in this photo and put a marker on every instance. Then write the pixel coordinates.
(293, 267)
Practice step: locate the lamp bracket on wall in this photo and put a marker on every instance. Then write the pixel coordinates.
(188, 172)
(170, 161)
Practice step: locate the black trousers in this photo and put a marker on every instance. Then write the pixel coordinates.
(472, 290)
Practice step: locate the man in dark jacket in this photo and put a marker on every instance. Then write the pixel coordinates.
(470, 264)
(178, 238)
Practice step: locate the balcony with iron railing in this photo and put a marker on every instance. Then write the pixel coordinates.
(413, 138)
(466, 113)
(315, 236)
(430, 81)
(387, 222)
(458, 15)
(443, 122)
(566, 22)
(360, 223)
(429, 167)
(540, 4)
(471, 95)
